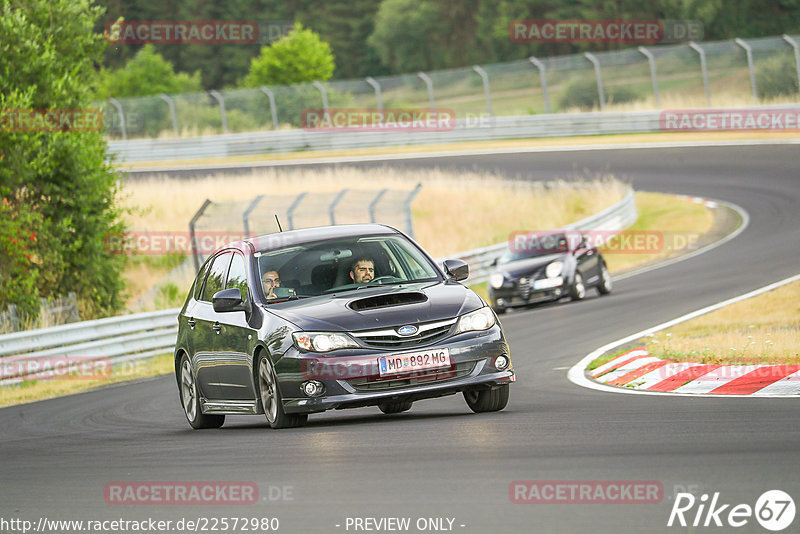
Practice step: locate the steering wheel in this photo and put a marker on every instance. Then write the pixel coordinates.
(386, 277)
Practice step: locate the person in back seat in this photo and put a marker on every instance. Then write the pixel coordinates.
(323, 277)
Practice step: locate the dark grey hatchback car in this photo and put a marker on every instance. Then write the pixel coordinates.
(359, 316)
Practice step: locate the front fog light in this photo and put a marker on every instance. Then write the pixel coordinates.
(312, 388)
(501, 362)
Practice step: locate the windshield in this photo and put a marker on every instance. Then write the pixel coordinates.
(342, 265)
(535, 244)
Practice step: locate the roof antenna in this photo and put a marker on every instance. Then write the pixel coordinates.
(279, 222)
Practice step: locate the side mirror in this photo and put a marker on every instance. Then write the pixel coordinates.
(456, 269)
(228, 300)
(494, 262)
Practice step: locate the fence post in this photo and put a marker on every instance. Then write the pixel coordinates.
(290, 211)
(543, 77)
(332, 207)
(703, 67)
(749, 54)
(171, 105)
(374, 204)
(600, 94)
(378, 99)
(796, 49)
(324, 93)
(247, 212)
(272, 110)
(487, 91)
(114, 102)
(652, 62)
(429, 83)
(193, 237)
(407, 207)
(218, 97)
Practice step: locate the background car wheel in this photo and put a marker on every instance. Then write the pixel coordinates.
(271, 398)
(487, 400)
(605, 285)
(395, 407)
(191, 400)
(578, 289)
(499, 310)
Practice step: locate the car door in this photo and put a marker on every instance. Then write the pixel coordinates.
(588, 262)
(232, 373)
(207, 327)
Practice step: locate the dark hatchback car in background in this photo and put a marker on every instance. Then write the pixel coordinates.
(547, 266)
(321, 341)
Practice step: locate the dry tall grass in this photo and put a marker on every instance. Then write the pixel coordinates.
(453, 211)
(763, 329)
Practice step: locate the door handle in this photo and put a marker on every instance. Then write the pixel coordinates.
(191, 322)
(217, 327)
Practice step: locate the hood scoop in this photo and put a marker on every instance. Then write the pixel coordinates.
(388, 300)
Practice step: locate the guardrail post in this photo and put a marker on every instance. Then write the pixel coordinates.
(114, 102)
(193, 236)
(600, 94)
(429, 84)
(247, 212)
(543, 77)
(703, 67)
(272, 106)
(218, 97)
(407, 208)
(172, 114)
(652, 62)
(796, 49)
(487, 91)
(324, 93)
(290, 210)
(749, 54)
(378, 99)
(374, 204)
(332, 207)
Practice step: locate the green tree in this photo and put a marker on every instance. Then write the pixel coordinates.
(147, 73)
(57, 191)
(301, 56)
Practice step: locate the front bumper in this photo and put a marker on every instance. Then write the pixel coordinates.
(512, 297)
(351, 380)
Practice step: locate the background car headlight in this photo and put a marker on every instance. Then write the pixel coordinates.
(496, 280)
(554, 269)
(323, 341)
(481, 319)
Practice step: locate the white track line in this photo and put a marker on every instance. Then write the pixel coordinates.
(576, 373)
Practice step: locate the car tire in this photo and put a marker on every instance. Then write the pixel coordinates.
(190, 400)
(487, 400)
(605, 285)
(395, 407)
(270, 396)
(499, 310)
(578, 289)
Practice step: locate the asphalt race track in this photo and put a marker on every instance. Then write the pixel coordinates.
(441, 461)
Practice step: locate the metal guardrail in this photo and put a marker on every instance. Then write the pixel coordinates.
(489, 129)
(615, 218)
(141, 335)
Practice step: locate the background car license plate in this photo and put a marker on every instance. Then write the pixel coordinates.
(414, 361)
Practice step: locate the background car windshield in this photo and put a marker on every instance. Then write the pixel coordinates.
(535, 244)
(314, 268)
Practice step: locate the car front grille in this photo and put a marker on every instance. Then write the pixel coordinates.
(390, 339)
(458, 370)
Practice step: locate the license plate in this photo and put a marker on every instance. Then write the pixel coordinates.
(413, 361)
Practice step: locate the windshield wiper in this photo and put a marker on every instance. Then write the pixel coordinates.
(290, 297)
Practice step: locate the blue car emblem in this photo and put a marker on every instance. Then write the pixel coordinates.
(407, 330)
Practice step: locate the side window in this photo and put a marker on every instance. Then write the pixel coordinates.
(201, 276)
(237, 277)
(216, 276)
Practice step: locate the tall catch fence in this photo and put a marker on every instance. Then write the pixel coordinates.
(739, 71)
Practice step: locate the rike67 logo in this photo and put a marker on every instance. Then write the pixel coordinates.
(774, 510)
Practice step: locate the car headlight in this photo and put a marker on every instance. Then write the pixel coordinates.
(481, 319)
(554, 269)
(323, 341)
(496, 280)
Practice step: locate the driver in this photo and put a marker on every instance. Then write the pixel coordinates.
(362, 271)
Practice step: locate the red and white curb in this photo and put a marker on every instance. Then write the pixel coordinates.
(637, 369)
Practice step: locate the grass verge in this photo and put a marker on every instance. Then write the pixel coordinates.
(35, 390)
